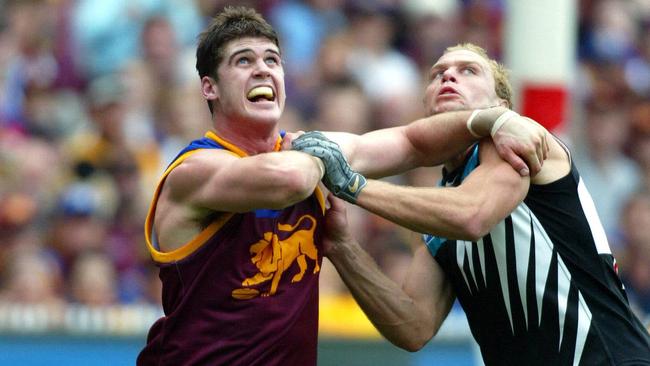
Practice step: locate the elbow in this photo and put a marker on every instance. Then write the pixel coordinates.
(412, 346)
(474, 225)
(286, 183)
(301, 183)
(416, 341)
(413, 337)
(474, 232)
(295, 186)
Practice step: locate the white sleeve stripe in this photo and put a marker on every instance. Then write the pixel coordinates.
(595, 226)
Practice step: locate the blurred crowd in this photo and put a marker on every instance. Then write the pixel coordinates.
(97, 96)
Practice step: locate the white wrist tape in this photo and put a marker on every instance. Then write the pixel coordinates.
(501, 120)
(469, 123)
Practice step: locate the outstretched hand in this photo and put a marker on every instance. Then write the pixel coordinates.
(522, 142)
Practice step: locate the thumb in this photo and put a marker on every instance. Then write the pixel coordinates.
(336, 204)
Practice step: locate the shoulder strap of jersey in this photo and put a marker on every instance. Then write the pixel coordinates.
(433, 242)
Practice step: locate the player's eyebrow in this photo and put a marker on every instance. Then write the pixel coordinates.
(246, 50)
(444, 65)
(435, 68)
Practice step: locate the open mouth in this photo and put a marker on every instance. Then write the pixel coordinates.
(261, 94)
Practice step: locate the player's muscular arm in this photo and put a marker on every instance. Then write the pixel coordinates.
(219, 181)
(425, 142)
(408, 316)
(520, 141)
(466, 212)
(433, 140)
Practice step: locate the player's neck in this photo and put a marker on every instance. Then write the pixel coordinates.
(252, 139)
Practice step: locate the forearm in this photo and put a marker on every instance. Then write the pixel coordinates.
(272, 180)
(395, 315)
(428, 141)
(425, 142)
(469, 211)
(444, 212)
(296, 174)
(441, 137)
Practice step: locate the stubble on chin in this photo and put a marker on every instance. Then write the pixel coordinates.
(447, 107)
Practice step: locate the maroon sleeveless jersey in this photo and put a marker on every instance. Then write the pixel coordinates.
(244, 291)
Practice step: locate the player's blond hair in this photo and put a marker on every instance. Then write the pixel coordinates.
(501, 83)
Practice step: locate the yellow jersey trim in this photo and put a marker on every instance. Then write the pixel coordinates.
(278, 145)
(196, 242)
(201, 238)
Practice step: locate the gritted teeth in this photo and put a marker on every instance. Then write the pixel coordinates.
(260, 92)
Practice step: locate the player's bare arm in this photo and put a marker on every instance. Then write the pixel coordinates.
(217, 181)
(408, 316)
(465, 212)
(433, 140)
(220, 181)
(393, 150)
(520, 141)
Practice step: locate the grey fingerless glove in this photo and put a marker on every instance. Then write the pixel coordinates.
(339, 177)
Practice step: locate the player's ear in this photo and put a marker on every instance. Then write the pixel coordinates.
(209, 88)
(504, 103)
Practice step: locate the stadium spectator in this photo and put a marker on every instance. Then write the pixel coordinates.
(635, 271)
(607, 172)
(93, 281)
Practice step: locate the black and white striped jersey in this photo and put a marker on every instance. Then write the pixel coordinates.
(541, 288)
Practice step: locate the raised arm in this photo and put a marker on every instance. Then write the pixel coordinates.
(408, 316)
(394, 150)
(433, 140)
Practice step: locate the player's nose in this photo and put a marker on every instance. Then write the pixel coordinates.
(448, 75)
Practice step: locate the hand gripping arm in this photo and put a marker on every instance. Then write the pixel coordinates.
(339, 177)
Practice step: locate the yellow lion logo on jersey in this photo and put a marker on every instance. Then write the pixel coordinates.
(273, 256)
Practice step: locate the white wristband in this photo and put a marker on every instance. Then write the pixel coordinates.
(469, 123)
(501, 120)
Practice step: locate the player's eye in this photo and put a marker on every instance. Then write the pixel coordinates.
(438, 74)
(468, 71)
(272, 60)
(244, 60)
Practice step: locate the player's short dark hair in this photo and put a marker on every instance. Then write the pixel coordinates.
(232, 23)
